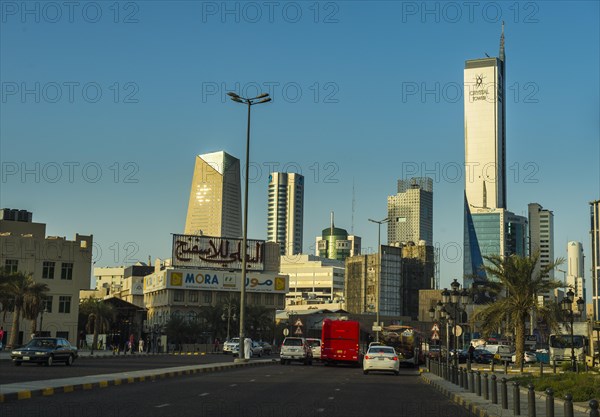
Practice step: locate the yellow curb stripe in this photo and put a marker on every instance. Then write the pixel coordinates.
(87, 386)
(23, 395)
(68, 388)
(130, 380)
(47, 391)
(118, 381)
(103, 384)
(142, 379)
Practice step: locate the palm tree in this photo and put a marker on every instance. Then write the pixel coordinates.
(100, 317)
(260, 320)
(22, 289)
(517, 278)
(33, 304)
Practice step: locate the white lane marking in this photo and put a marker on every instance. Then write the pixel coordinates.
(337, 389)
(320, 410)
(233, 385)
(162, 405)
(252, 380)
(204, 394)
(330, 398)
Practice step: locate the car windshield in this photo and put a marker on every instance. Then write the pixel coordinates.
(235, 340)
(292, 342)
(43, 343)
(314, 343)
(382, 349)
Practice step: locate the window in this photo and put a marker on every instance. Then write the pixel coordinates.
(270, 299)
(207, 297)
(193, 296)
(64, 304)
(178, 295)
(66, 271)
(48, 270)
(12, 266)
(48, 303)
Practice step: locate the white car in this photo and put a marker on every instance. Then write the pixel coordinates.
(315, 346)
(232, 346)
(529, 357)
(381, 358)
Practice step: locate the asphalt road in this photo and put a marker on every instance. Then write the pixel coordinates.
(103, 365)
(269, 391)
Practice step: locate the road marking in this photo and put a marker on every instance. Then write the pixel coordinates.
(337, 389)
(162, 405)
(330, 398)
(252, 380)
(204, 394)
(320, 410)
(233, 385)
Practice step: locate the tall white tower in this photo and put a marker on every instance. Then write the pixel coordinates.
(285, 211)
(576, 270)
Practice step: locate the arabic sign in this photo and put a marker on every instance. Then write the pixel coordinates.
(212, 279)
(216, 252)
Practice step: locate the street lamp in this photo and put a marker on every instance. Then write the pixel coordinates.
(379, 223)
(455, 299)
(567, 308)
(262, 98)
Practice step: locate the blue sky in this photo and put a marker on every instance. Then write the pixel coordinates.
(104, 106)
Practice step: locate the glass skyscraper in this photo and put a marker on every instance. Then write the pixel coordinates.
(285, 211)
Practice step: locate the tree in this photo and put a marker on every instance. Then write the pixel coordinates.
(517, 279)
(260, 320)
(22, 290)
(100, 317)
(33, 304)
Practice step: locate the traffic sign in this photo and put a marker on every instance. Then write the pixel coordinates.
(435, 328)
(376, 328)
(435, 336)
(457, 330)
(298, 323)
(286, 332)
(298, 331)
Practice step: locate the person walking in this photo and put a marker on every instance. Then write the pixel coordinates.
(1, 337)
(141, 345)
(131, 343)
(216, 345)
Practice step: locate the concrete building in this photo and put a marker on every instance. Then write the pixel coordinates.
(575, 273)
(541, 239)
(412, 211)
(491, 232)
(108, 277)
(313, 279)
(485, 160)
(595, 238)
(64, 265)
(418, 269)
(215, 207)
(373, 282)
(285, 211)
(336, 243)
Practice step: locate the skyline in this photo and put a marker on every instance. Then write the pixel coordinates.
(352, 111)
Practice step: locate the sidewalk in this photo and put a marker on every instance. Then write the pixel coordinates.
(485, 408)
(25, 390)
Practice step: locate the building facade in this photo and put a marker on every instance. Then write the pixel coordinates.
(64, 265)
(595, 237)
(285, 211)
(215, 207)
(336, 243)
(313, 278)
(412, 211)
(418, 270)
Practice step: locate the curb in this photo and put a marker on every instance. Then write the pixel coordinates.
(470, 406)
(45, 392)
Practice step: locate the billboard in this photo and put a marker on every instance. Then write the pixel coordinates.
(191, 251)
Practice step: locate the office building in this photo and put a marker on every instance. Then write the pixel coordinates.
(595, 237)
(285, 210)
(64, 265)
(575, 272)
(215, 207)
(541, 239)
(411, 211)
(313, 279)
(336, 243)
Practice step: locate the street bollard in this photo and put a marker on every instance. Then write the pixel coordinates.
(486, 393)
(549, 402)
(530, 400)
(494, 390)
(568, 405)
(460, 378)
(594, 409)
(493, 365)
(478, 386)
(504, 394)
(472, 381)
(505, 367)
(466, 380)
(516, 399)
(455, 375)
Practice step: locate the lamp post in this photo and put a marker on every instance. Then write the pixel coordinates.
(379, 223)
(230, 308)
(567, 308)
(262, 98)
(455, 300)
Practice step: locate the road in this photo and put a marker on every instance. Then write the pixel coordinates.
(103, 365)
(266, 391)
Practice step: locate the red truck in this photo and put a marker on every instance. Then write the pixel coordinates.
(340, 342)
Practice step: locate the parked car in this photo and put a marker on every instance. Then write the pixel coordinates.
(232, 346)
(45, 350)
(267, 348)
(256, 349)
(295, 349)
(463, 354)
(482, 356)
(504, 353)
(529, 357)
(381, 358)
(315, 346)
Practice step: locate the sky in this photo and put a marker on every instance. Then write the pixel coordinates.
(104, 106)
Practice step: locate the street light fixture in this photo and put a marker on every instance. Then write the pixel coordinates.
(262, 98)
(379, 223)
(455, 299)
(567, 308)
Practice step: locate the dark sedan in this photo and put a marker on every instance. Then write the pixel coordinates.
(482, 356)
(45, 350)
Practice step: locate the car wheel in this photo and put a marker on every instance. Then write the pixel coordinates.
(50, 360)
(69, 360)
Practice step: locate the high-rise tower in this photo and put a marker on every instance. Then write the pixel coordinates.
(412, 212)
(286, 211)
(595, 235)
(541, 239)
(215, 207)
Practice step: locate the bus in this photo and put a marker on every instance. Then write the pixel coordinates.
(561, 345)
(340, 342)
(407, 341)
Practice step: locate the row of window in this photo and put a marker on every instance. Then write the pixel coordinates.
(193, 297)
(48, 268)
(64, 304)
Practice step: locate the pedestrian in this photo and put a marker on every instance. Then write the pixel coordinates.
(471, 352)
(1, 337)
(131, 343)
(216, 345)
(141, 345)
